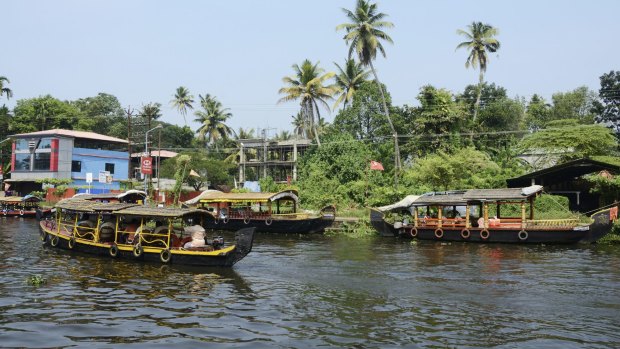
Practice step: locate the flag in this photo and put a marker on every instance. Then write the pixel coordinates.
(375, 165)
(193, 173)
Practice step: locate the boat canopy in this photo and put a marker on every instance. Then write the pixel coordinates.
(20, 199)
(404, 203)
(512, 194)
(461, 198)
(136, 194)
(214, 196)
(164, 212)
(79, 205)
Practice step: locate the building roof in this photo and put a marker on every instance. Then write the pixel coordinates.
(563, 172)
(72, 134)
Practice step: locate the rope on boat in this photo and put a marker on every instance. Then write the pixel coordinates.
(601, 208)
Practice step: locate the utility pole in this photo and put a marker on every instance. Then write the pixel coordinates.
(129, 112)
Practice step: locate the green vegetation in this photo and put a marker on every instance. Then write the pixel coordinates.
(36, 280)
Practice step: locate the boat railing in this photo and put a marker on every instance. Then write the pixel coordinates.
(290, 216)
(152, 238)
(551, 223)
(443, 222)
(85, 232)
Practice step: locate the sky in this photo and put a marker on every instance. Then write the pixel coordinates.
(239, 50)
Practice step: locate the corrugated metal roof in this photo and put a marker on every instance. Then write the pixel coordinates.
(502, 194)
(71, 133)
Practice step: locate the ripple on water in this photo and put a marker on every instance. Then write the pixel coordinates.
(309, 291)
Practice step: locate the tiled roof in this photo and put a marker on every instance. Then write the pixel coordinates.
(71, 133)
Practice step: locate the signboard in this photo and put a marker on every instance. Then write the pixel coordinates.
(89, 177)
(103, 176)
(108, 179)
(147, 165)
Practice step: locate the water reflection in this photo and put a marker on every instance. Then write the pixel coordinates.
(309, 291)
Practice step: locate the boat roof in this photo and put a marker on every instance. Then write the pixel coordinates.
(208, 196)
(167, 212)
(108, 196)
(517, 194)
(27, 198)
(80, 205)
(454, 198)
(462, 197)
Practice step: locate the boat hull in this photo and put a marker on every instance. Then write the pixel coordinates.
(602, 223)
(19, 213)
(281, 226)
(226, 257)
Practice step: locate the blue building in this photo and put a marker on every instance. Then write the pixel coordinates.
(67, 154)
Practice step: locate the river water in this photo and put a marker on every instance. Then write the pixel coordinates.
(308, 291)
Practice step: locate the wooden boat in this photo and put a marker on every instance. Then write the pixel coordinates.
(464, 216)
(18, 206)
(267, 212)
(132, 231)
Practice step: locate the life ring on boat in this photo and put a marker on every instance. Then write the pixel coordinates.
(54, 240)
(225, 219)
(413, 232)
(113, 251)
(43, 236)
(21, 212)
(138, 250)
(165, 255)
(216, 220)
(523, 235)
(268, 221)
(465, 234)
(4, 212)
(246, 219)
(71, 243)
(439, 233)
(484, 234)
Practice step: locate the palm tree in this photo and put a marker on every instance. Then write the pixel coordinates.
(299, 124)
(308, 87)
(480, 40)
(5, 90)
(212, 120)
(349, 80)
(151, 111)
(364, 35)
(182, 101)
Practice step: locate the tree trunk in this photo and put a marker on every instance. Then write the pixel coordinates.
(477, 104)
(394, 134)
(314, 129)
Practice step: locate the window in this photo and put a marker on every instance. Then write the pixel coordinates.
(42, 161)
(45, 143)
(109, 167)
(21, 144)
(76, 166)
(22, 162)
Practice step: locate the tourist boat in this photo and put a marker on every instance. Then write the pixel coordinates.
(267, 212)
(465, 216)
(132, 231)
(18, 206)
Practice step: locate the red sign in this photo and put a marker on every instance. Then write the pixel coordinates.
(147, 165)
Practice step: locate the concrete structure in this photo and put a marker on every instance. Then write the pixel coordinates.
(263, 158)
(66, 154)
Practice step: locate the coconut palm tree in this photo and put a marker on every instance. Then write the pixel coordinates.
(5, 90)
(212, 120)
(364, 35)
(182, 101)
(480, 39)
(235, 156)
(349, 80)
(151, 111)
(308, 86)
(299, 124)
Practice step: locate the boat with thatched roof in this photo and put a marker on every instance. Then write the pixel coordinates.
(132, 231)
(485, 215)
(267, 212)
(20, 206)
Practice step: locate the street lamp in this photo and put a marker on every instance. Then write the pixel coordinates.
(146, 150)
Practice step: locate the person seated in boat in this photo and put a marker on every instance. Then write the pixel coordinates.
(223, 213)
(131, 227)
(197, 234)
